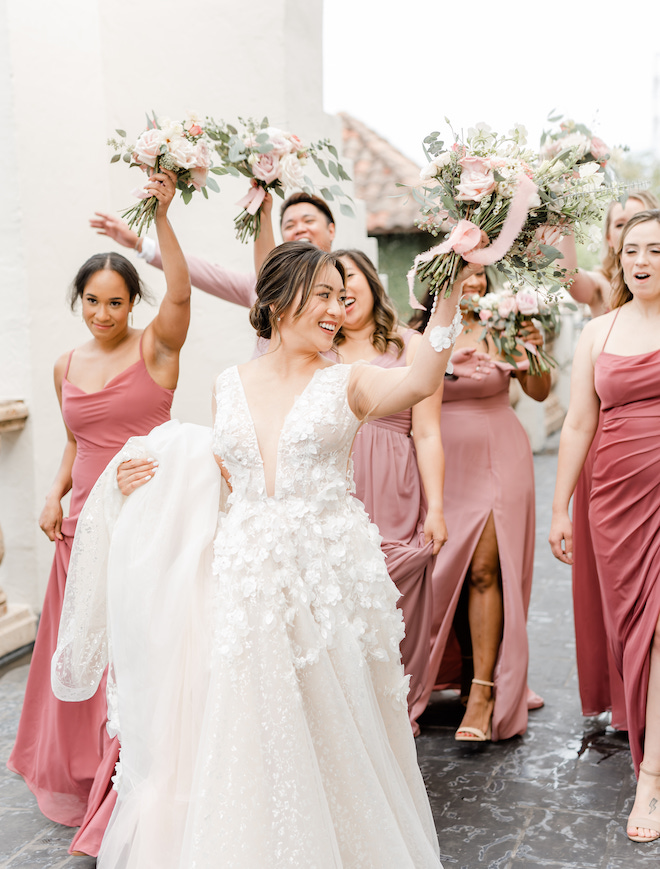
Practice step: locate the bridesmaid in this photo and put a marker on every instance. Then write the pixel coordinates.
(118, 384)
(621, 383)
(600, 685)
(482, 579)
(398, 464)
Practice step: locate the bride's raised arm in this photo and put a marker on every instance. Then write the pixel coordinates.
(374, 392)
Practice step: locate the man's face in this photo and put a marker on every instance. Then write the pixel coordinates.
(305, 222)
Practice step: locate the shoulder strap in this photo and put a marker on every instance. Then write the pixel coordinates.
(68, 364)
(609, 331)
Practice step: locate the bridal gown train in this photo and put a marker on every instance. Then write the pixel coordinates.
(304, 752)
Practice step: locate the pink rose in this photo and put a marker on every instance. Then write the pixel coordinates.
(296, 143)
(599, 149)
(527, 303)
(506, 306)
(266, 167)
(199, 172)
(477, 180)
(485, 315)
(147, 148)
(194, 130)
(279, 140)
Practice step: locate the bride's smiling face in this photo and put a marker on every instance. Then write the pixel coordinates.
(322, 316)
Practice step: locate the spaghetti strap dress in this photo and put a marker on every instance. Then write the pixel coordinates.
(488, 469)
(624, 513)
(61, 748)
(388, 483)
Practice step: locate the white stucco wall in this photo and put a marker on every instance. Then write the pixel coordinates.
(70, 73)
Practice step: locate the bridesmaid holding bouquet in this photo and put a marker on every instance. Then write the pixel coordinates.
(119, 384)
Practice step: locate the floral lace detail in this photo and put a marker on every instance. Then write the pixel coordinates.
(308, 547)
(443, 337)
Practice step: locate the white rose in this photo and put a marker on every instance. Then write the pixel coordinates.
(291, 173)
(181, 152)
(147, 147)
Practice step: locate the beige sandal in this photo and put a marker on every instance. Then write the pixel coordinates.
(474, 734)
(645, 823)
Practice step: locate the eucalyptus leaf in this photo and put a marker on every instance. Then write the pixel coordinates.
(126, 158)
(333, 151)
(115, 158)
(122, 133)
(332, 166)
(325, 193)
(212, 184)
(346, 209)
(321, 165)
(206, 195)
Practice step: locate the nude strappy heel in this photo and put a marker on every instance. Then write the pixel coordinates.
(474, 734)
(645, 823)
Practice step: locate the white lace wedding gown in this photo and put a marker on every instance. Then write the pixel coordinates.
(305, 757)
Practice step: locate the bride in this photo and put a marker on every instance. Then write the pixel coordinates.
(257, 683)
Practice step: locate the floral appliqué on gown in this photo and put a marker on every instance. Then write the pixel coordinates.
(307, 756)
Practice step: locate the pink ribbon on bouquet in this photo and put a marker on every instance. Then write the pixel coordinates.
(252, 200)
(465, 237)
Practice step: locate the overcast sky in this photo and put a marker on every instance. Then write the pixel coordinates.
(401, 66)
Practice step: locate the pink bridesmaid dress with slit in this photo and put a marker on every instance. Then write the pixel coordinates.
(625, 521)
(63, 750)
(388, 483)
(488, 469)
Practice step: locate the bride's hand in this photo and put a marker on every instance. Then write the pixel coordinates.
(135, 473)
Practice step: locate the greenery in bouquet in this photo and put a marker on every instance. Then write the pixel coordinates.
(476, 181)
(569, 135)
(503, 315)
(274, 161)
(181, 147)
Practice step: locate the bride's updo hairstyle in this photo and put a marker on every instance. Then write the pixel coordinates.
(620, 292)
(293, 266)
(114, 262)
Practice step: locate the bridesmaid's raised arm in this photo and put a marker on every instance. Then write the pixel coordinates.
(165, 335)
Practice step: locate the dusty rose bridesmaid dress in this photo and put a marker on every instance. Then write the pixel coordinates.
(387, 482)
(63, 750)
(489, 469)
(625, 521)
(600, 684)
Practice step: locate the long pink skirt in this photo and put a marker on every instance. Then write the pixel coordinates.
(60, 747)
(601, 687)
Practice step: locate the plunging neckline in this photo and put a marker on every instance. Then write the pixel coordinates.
(253, 427)
(109, 383)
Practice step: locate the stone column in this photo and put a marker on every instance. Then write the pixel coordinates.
(18, 624)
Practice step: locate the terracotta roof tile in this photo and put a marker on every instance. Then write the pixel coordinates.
(377, 167)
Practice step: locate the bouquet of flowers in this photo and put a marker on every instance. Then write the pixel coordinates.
(273, 160)
(182, 147)
(503, 314)
(572, 136)
(524, 204)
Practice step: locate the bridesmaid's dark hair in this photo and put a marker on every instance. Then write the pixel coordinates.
(620, 292)
(385, 317)
(290, 267)
(114, 262)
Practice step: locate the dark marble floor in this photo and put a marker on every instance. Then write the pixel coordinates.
(557, 797)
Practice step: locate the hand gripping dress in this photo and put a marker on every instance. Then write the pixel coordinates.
(62, 750)
(625, 521)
